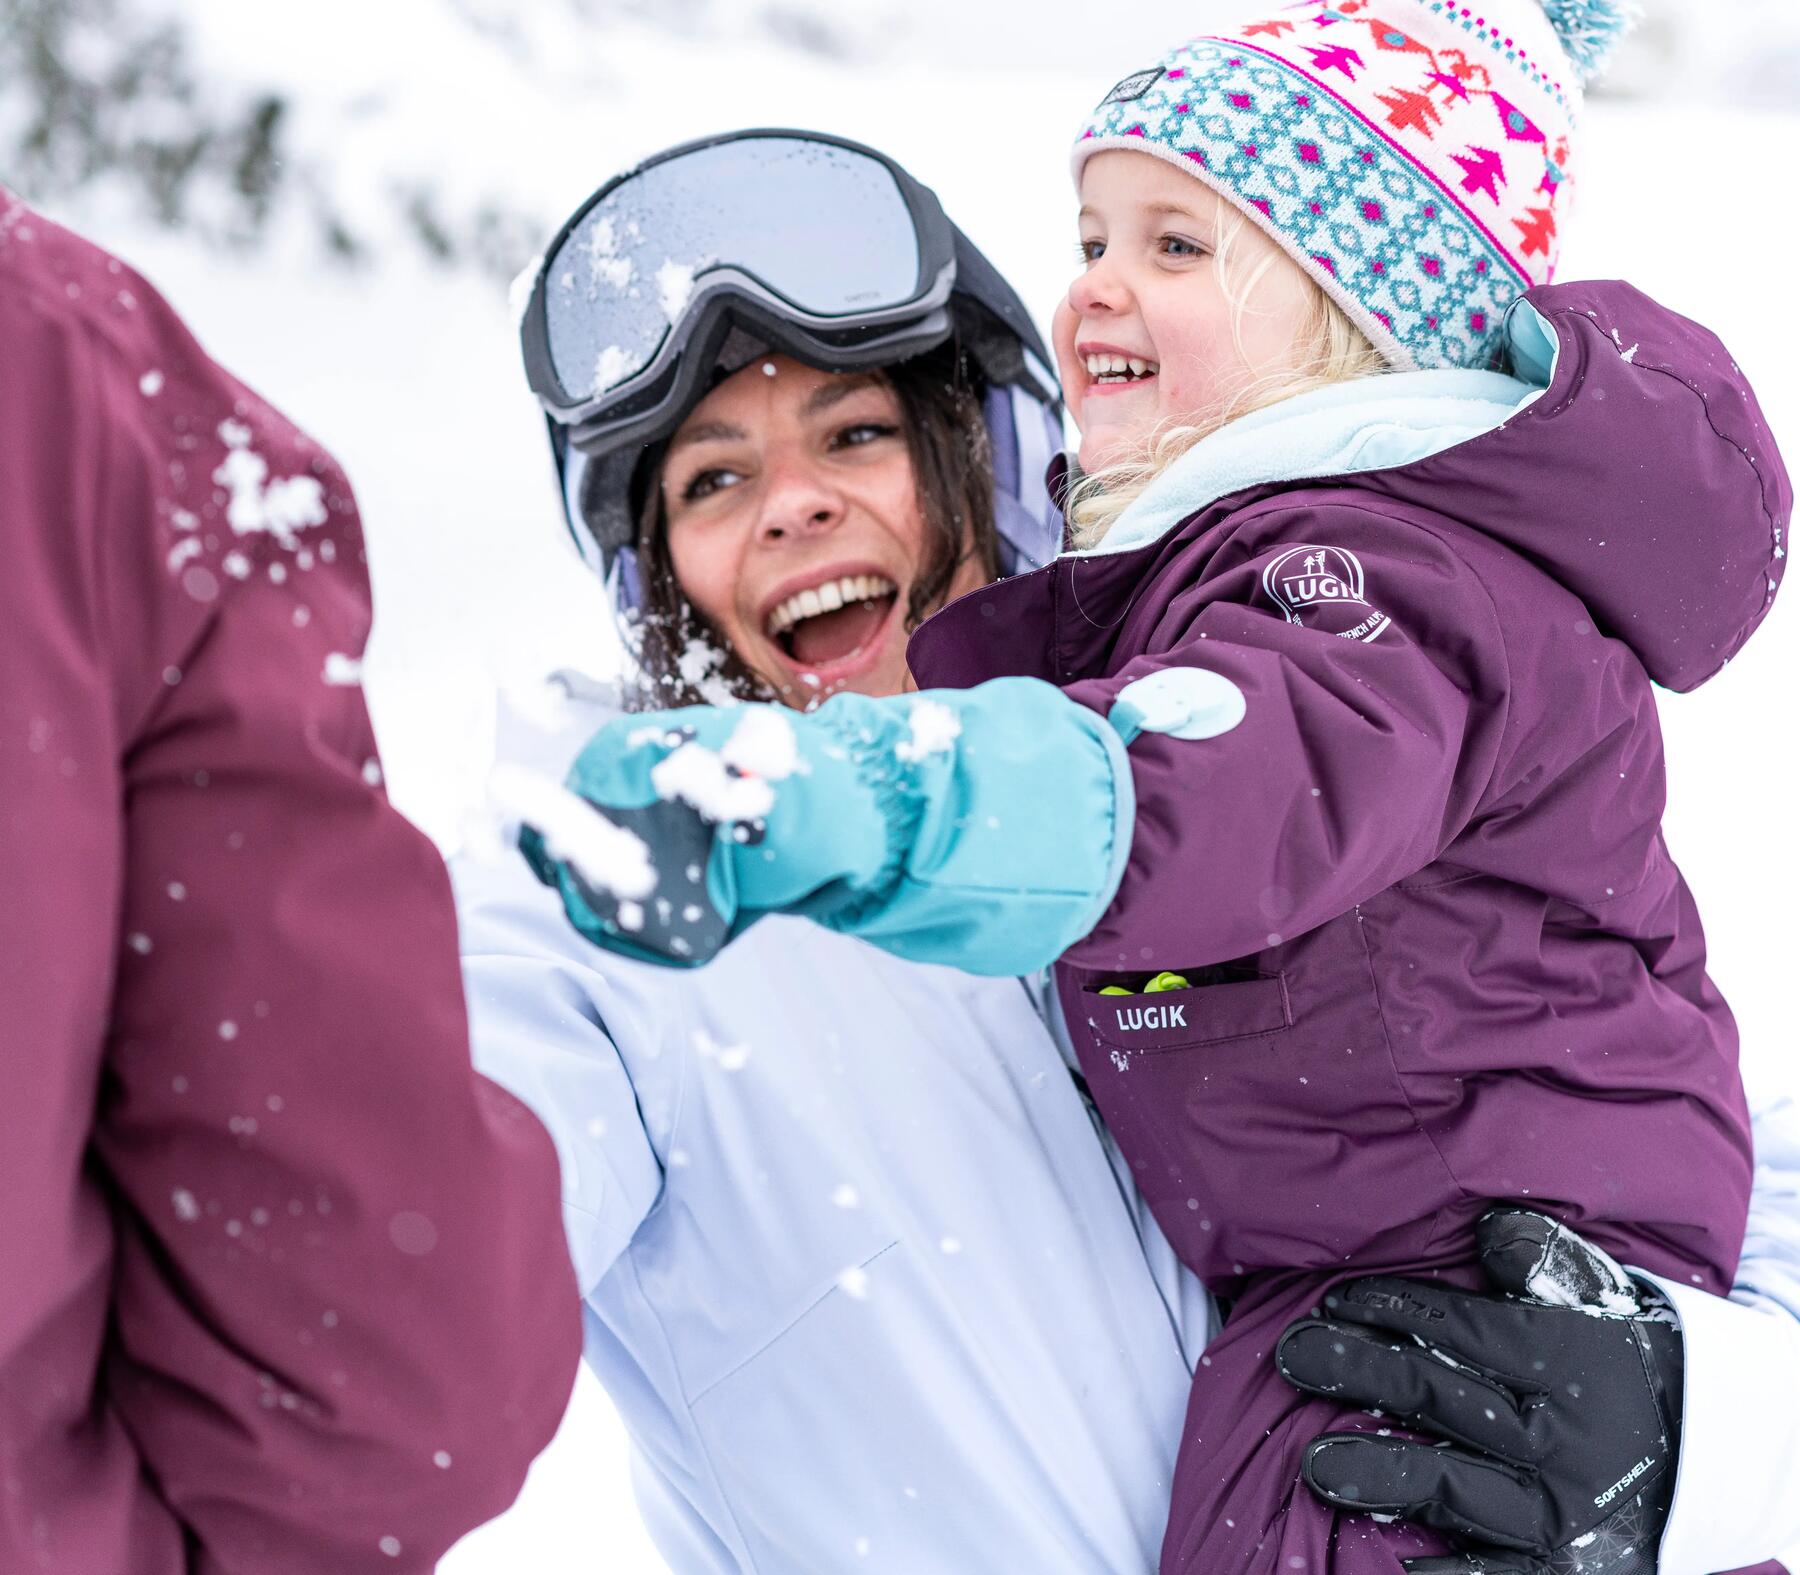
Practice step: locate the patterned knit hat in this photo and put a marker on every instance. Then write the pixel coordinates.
(1412, 155)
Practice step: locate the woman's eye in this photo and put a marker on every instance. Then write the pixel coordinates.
(1180, 246)
(707, 482)
(863, 432)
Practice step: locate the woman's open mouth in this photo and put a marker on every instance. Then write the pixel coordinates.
(829, 625)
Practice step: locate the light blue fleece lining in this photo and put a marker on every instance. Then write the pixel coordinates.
(1378, 423)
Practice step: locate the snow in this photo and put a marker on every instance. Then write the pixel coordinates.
(411, 376)
(935, 730)
(604, 855)
(674, 287)
(763, 744)
(699, 777)
(280, 508)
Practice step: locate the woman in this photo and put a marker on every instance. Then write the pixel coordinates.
(861, 1272)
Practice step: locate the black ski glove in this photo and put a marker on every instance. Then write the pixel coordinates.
(1560, 1400)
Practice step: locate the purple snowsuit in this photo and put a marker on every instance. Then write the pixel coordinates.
(1441, 955)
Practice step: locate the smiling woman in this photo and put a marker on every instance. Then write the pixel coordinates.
(803, 522)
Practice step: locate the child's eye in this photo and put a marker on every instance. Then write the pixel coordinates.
(1089, 251)
(862, 433)
(706, 482)
(1181, 246)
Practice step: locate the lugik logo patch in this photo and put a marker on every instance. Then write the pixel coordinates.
(1321, 588)
(1133, 87)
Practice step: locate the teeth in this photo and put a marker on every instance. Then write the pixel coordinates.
(829, 597)
(1104, 366)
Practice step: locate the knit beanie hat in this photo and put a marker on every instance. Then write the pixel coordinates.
(1413, 156)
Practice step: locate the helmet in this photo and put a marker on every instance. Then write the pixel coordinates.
(709, 255)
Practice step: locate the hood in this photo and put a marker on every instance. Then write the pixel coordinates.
(1644, 477)
(1625, 456)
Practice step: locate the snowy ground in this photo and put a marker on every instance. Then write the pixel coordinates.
(412, 377)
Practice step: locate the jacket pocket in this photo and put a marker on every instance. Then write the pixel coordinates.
(1237, 1008)
(1261, 1111)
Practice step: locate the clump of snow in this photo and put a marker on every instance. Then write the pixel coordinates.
(615, 365)
(854, 1283)
(699, 777)
(675, 287)
(281, 507)
(518, 293)
(935, 730)
(186, 1207)
(412, 1233)
(763, 744)
(150, 384)
(605, 265)
(605, 855)
(699, 665)
(346, 672)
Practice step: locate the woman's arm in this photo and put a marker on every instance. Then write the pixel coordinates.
(1735, 1364)
(546, 1025)
(1737, 1492)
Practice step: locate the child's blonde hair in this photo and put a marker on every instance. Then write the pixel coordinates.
(1330, 349)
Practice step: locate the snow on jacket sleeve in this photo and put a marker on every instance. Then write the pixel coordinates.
(1364, 672)
(538, 1019)
(285, 1290)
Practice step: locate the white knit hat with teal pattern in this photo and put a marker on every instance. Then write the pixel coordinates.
(1415, 157)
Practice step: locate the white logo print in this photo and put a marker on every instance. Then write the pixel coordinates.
(1310, 579)
(1138, 1018)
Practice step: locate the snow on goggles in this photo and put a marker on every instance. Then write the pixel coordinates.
(805, 240)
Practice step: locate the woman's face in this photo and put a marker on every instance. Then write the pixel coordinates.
(1144, 339)
(795, 526)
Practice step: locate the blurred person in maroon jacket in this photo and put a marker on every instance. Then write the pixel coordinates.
(283, 1285)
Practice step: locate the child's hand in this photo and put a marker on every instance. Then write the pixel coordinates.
(933, 825)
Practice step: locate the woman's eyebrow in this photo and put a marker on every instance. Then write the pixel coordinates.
(839, 388)
(708, 432)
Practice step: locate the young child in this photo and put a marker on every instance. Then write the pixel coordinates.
(1331, 742)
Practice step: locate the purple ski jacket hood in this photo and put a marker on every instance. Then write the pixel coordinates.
(1645, 479)
(1425, 833)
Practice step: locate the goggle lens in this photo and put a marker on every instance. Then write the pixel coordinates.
(824, 228)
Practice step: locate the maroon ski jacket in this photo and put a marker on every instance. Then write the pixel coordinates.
(282, 1282)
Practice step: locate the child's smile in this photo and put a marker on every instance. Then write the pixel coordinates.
(1154, 332)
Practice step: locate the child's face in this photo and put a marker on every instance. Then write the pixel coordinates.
(1150, 292)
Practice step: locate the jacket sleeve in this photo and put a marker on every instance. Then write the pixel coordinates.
(1319, 717)
(1737, 1497)
(539, 1015)
(341, 1318)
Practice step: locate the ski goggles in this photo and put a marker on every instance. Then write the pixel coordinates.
(805, 241)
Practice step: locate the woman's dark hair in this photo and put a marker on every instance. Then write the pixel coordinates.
(683, 660)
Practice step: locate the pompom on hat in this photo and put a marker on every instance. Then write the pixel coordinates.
(1415, 157)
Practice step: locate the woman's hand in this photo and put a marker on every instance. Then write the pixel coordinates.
(1560, 1398)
